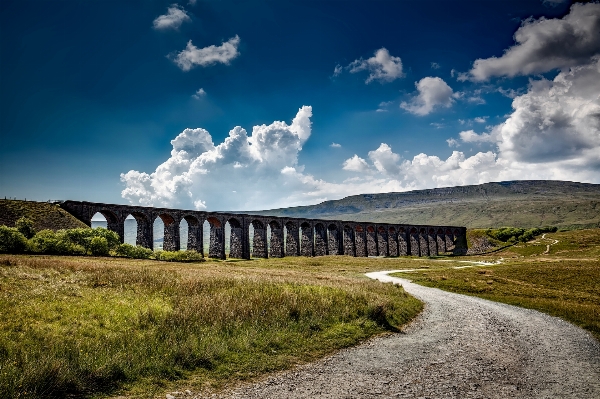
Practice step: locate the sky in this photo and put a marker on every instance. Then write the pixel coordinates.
(250, 105)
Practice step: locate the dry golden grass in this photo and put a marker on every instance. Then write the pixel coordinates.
(84, 326)
(563, 282)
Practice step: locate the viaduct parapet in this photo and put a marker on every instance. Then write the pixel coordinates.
(288, 236)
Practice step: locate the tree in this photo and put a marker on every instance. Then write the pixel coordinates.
(25, 226)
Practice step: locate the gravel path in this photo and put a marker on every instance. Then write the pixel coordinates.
(459, 347)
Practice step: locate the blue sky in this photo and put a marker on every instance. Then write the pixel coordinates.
(138, 101)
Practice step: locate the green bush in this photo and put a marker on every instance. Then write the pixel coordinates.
(25, 226)
(179, 256)
(55, 243)
(133, 251)
(12, 241)
(515, 234)
(99, 246)
(80, 241)
(84, 236)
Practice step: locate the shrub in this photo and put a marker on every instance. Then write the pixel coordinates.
(55, 243)
(133, 251)
(84, 237)
(25, 226)
(99, 246)
(515, 234)
(179, 256)
(12, 241)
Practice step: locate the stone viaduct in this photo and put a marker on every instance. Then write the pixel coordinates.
(303, 237)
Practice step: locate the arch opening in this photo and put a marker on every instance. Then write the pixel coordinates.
(158, 230)
(131, 232)
(99, 220)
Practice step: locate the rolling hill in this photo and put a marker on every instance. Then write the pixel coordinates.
(535, 203)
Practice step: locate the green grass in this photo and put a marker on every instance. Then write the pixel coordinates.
(564, 282)
(88, 327)
(566, 205)
(44, 215)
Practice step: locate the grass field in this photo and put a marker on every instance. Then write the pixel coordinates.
(89, 327)
(92, 327)
(563, 282)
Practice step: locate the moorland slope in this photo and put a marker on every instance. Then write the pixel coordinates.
(566, 205)
(44, 215)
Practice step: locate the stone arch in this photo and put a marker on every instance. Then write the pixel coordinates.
(348, 241)
(276, 249)
(372, 241)
(415, 248)
(449, 238)
(236, 239)
(432, 242)
(194, 234)
(423, 242)
(216, 247)
(320, 239)
(292, 240)
(441, 240)
(403, 242)
(382, 241)
(306, 242)
(171, 232)
(113, 222)
(360, 241)
(392, 241)
(259, 239)
(333, 240)
(144, 231)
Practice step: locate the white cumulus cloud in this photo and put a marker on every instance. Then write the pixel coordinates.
(432, 92)
(544, 44)
(197, 169)
(193, 56)
(382, 66)
(553, 132)
(173, 19)
(355, 164)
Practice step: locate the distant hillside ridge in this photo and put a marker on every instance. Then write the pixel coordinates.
(45, 215)
(521, 203)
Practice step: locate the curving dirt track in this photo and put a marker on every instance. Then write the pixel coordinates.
(459, 347)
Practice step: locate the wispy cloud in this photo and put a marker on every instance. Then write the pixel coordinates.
(199, 93)
(173, 19)
(193, 56)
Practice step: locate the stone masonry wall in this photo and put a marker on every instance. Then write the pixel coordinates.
(314, 238)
